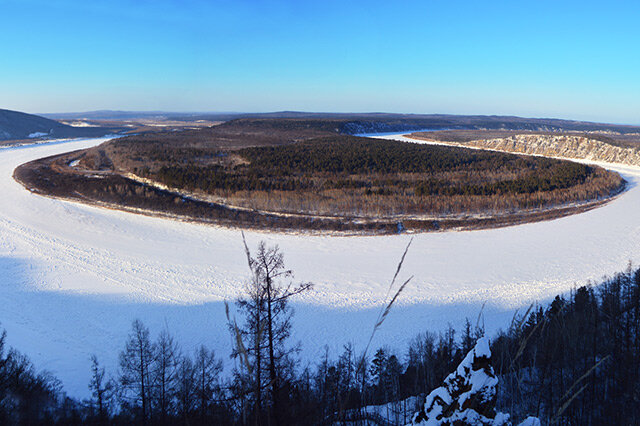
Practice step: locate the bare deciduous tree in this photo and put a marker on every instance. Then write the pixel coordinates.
(101, 389)
(136, 361)
(167, 355)
(267, 325)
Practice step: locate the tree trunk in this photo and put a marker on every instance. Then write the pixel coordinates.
(272, 361)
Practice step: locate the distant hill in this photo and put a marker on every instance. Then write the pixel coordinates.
(19, 125)
(16, 125)
(386, 122)
(354, 123)
(114, 115)
(362, 123)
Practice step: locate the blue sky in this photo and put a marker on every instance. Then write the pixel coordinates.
(529, 58)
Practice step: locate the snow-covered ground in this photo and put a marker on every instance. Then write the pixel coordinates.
(37, 135)
(73, 277)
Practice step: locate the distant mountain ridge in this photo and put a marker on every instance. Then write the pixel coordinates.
(112, 115)
(15, 125)
(371, 122)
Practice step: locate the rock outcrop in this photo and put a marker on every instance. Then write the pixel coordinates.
(565, 146)
(467, 396)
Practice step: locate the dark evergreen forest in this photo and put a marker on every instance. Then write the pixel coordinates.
(338, 162)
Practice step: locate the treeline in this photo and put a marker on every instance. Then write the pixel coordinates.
(159, 383)
(449, 197)
(576, 361)
(28, 396)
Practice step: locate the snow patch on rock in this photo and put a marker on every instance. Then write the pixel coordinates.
(468, 395)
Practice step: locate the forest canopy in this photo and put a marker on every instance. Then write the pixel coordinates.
(361, 176)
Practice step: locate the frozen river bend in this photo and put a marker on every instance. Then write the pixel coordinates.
(73, 277)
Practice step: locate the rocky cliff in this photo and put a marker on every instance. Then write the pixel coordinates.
(468, 395)
(566, 146)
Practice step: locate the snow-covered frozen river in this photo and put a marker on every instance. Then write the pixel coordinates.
(73, 277)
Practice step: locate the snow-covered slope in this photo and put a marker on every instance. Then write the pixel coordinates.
(18, 125)
(565, 146)
(73, 277)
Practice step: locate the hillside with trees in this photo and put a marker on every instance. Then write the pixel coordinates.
(16, 125)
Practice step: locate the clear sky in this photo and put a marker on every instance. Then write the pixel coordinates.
(566, 59)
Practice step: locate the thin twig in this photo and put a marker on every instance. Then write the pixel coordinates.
(384, 312)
